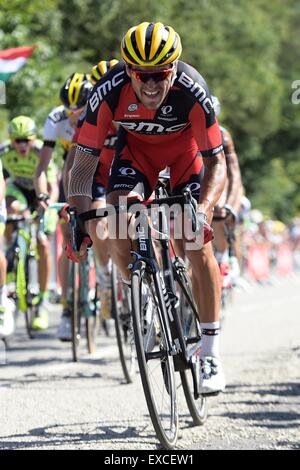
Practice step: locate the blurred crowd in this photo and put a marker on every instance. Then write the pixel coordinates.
(279, 239)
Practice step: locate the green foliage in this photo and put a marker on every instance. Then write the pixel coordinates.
(274, 191)
(248, 52)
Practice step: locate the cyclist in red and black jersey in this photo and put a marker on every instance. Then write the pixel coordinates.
(166, 115)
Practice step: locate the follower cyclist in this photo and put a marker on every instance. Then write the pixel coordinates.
(228, 206)
(7, 306)
(20, 158)
(60, 126)
(98, 230)
(165, 114)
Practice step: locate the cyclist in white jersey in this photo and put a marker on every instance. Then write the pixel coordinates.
(60, 127)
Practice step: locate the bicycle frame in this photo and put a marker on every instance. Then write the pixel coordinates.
(170, 350)
(165, 285)
(29, 231)
(23, 246)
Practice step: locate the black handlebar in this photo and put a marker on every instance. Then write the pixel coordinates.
(229, 211)
(183, 199)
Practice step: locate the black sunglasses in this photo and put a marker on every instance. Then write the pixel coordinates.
(22, 141)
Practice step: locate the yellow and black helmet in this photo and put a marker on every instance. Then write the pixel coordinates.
(101, 68)
(75, 91)
(150, 44)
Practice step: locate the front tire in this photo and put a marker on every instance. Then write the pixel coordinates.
(155, 363)
(121, 313)
(76, 313)
(196, 403)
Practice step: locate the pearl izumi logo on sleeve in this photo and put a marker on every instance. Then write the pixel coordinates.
(166, 109)
(127, 171)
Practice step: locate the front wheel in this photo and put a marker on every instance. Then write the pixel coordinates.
(121, 313)
(89, 302)
(155, 362)
(190, 377)
(197, 406)
(31, 296)
(76, 312)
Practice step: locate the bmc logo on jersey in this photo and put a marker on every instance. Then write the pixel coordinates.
(105, 88)
(197, 90)
(151, 127)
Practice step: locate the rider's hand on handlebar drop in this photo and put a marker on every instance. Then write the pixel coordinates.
(80, 240)
(79, 256)
(43, 201)
(64, 213)
(220, 211)
(208, 233)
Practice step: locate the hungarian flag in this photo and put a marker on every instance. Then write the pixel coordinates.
(11, 60)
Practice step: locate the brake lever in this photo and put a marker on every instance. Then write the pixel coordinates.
(73, 225)
(193, 205)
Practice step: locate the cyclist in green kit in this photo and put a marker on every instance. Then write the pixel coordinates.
(20, 157)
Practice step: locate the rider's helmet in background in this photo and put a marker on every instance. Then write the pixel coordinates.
(101, 69)
(216, 105)
(75, 91)
(22, 127)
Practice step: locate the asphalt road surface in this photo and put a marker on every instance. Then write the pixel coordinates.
(48, 402)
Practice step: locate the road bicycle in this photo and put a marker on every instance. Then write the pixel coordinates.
(166, 329)
(85, 304)
(22, 259)
(84, 307)
(83, 295)
(233, 268)
(121, 314)
(22, 256)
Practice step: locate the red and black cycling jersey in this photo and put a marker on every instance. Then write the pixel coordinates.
(187, 110)
(111, 138)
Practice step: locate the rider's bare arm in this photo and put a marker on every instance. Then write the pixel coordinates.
(40, 179)
(68, 165)
(53, 191)
(2, 184)
(213, 183)
(234, 192)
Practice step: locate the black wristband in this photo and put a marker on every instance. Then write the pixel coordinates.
(43, 197)
(230, 210)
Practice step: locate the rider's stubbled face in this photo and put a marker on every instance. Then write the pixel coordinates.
(151, 92)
